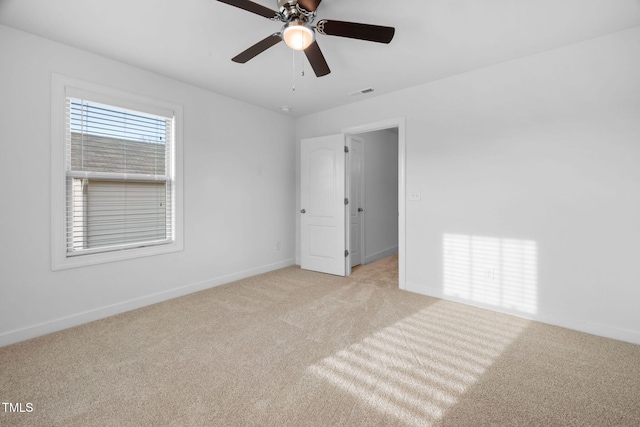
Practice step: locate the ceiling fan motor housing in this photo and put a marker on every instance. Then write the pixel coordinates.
(287, 9)
(290, 9)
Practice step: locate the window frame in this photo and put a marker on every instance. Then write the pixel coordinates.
(65, 86)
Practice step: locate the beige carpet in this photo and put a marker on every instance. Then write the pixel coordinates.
(296, 348)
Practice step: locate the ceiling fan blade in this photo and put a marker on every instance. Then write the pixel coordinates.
(252, 7)
(309, 5)
(354, 30)
(316, 59)
(257, 48)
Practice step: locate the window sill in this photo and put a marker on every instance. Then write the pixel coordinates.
(66, 262)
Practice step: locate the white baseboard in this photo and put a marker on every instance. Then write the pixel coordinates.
(66, 322)
(543, 317)
(368, 259)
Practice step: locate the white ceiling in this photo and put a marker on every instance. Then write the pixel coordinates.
(194, 41)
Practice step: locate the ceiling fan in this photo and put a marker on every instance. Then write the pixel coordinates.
(299, 33)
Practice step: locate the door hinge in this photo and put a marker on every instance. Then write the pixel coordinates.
(346, 253)
(346, 201)
(346, 149)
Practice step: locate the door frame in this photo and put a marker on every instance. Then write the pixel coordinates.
(400, 124)
(361, 191)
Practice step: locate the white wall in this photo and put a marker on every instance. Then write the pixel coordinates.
(381, 194)
(238, 177)
(540, 154)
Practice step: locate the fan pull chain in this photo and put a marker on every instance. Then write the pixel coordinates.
(293, 70)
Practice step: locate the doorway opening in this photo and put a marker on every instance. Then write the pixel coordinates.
(376, 186)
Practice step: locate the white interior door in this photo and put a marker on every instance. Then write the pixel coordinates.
(323, 209)
(356, 201)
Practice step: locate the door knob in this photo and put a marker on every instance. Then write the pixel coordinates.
(360, 210)
(303, 211)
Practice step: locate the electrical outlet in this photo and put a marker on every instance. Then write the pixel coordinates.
(278, 246)
(414, 195)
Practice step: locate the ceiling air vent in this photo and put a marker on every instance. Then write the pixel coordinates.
(361, 91)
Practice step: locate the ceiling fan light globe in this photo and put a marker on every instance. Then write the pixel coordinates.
(298, 36)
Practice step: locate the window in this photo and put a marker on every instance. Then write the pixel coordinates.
(115, 170)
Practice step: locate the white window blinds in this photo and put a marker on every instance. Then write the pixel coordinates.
(119, 178)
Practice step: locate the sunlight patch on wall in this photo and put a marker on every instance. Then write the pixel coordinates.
(491, 271)
(417, 368)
